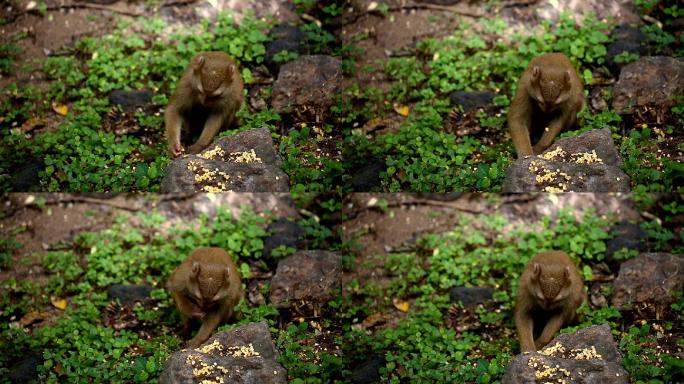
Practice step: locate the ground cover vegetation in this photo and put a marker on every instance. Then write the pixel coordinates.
(67, 127)
(65, 318)
(418, 334)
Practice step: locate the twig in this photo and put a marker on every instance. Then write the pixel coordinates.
(434, 7)
(101, 7)
(456, 204)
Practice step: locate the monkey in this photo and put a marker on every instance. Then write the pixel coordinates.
(205, 287)
(548, 98)
(551, 289)
(209, 93)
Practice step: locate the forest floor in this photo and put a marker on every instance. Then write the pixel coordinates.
(393, 125)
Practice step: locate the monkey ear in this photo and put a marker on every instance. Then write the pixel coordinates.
(195, 268)
(535, 72)
(200, 62)
(566, 76)
(536, 269)
(566, 272)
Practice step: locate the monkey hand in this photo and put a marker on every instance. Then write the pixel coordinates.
(175, 149)
(199, 315)
(195, 149)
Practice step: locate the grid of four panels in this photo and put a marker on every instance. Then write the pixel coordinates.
(329, 191)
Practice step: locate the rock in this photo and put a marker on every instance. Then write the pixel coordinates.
(245, 162)
(650, 279)
(247, 356)
(623, 12)
(369, 371)
(586, 356)
(130, 99)
(586, 163)
(471, 100)
(471, 296)
(625, 39)
(26, 370)
(285, 37)
(285, 233)
(27, 177)
(650, 81)
(368, 177)
(307, 86)
(310, 277)
(127, 294)
(629, 235)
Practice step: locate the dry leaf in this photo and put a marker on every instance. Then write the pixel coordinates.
(32, 317)
(58, 303)
(401, 109)
(61, 109)
(32, 124)
(401, 305)
(372, 320)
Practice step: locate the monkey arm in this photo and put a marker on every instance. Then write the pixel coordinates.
(173, 122)
(211, 127)
(185, 307)
(551, 328)
(525, 327)
(209, 325)
(519, 123)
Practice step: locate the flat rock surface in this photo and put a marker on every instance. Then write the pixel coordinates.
(307, 86)
(244, 162)
(651, 278)
(586, 356)
(650, 81)
(244, 355)
(585, 163)
(307, 276)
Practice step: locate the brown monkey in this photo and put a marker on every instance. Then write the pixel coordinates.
(208, 95)
(548, 98)
(206, 287)
(550, 289)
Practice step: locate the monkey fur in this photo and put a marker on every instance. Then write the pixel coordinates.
(205, 287)
(208, 96)
(550, 288)
(547, 100)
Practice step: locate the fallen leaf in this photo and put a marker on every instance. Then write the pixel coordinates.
(32, 317)
(402, 109)
(401, 305)
(58, 303)
(32, 123)
(371, 321)
(61, 109)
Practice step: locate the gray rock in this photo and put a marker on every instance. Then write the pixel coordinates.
(244, 355)
(286, 37)
(307, 86)
(130, 99)
(226, 171)
(650, 278)
(471, 100)
(586, 356)
(471, 296)
(127, 294)
(311, 277)
(626, 39)
(628, 235)
(650, 81)
(27, 176)
(283, 232)
(563, 172)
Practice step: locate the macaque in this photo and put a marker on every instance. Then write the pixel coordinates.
(548, 98)
(208, 95)
(206, 287)
(550, 289)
